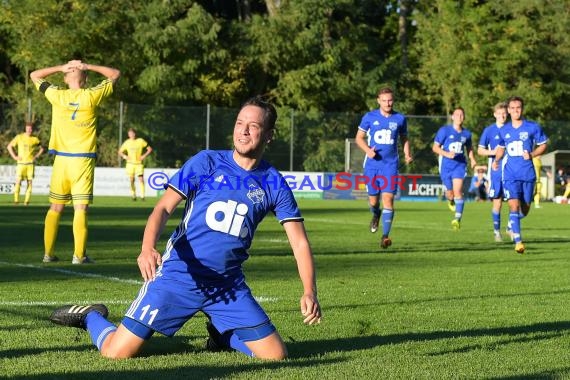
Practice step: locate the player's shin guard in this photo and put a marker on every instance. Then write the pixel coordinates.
(387, 218)
(17, 192)
(80, 232)
(28, 193)
(515, 222)
(142, 188)
(98, 328)
(51, 225)
(459, 205)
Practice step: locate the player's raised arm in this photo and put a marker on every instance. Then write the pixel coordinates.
(297, 236)
(149, 257)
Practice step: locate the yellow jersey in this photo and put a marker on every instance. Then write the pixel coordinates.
(26, 147)
(74, 118)
(134, 149)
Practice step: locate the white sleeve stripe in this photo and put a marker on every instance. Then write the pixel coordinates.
(177, 190)
(296, 219)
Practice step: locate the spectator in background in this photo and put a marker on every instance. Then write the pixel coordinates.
(479, 184)
(29, 149)
(560, 180)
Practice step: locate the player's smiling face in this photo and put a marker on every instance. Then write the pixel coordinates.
(250, 136)
(515, 109)
(500, 116)
(386, 102)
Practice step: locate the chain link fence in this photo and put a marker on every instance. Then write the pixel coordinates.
(303, 142)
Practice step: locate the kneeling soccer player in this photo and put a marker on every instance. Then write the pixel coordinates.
(201, 269)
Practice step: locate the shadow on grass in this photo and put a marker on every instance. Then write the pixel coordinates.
(190, 367)
(324, 346)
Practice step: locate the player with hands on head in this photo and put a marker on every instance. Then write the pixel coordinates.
(73, 141)
(377, 137)
(450, 144)
(201, 267)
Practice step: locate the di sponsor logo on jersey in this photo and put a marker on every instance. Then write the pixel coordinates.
(228, 217)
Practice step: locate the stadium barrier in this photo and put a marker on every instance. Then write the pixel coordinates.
(313, 185)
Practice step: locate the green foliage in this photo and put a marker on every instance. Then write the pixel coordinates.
(313, 56)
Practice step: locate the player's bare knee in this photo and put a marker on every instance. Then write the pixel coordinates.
(273, 355)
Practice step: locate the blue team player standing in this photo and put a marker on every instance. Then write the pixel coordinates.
(377, 136)
(227, 194)
(487, 147)
(521, 140)
(451, 142)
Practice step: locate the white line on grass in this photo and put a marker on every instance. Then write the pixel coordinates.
(73, 273)
(58, 303)
(260, 299)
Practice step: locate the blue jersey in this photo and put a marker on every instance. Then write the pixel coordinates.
(490, 139)
(455, 141)
(383, 135)
(224, 205)
(516, 141)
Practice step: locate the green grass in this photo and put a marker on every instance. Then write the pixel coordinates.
(436, 305)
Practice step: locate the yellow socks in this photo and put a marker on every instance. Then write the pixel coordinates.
(51, 226)
(80, 232)
(28, 193)
(17, 192)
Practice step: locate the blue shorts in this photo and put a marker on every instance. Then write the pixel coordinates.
(451, 172)
(496, 184)
(521, 190)
(382, 179)
(168, 302)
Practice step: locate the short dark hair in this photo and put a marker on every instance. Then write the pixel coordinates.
(269, 111)
(385, 90)
(515, 99)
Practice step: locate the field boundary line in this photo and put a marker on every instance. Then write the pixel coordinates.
(73, 273)
(260, 299)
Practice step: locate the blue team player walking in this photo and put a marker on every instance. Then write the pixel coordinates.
(377, 136)
(521, 140)
(451, 142)
(201, 268)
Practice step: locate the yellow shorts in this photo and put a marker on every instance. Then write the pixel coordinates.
(72, 180)
(25, 172)
(134, 169)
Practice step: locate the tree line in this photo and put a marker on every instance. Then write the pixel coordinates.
(316, 57)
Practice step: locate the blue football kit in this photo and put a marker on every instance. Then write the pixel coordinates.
(382, 133)
(451, 140)
(490, 139)
(202, 264)
(519, 175)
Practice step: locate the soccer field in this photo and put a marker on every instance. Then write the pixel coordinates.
(438, 304)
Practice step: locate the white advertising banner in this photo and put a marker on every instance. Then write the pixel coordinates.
(108, 181)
